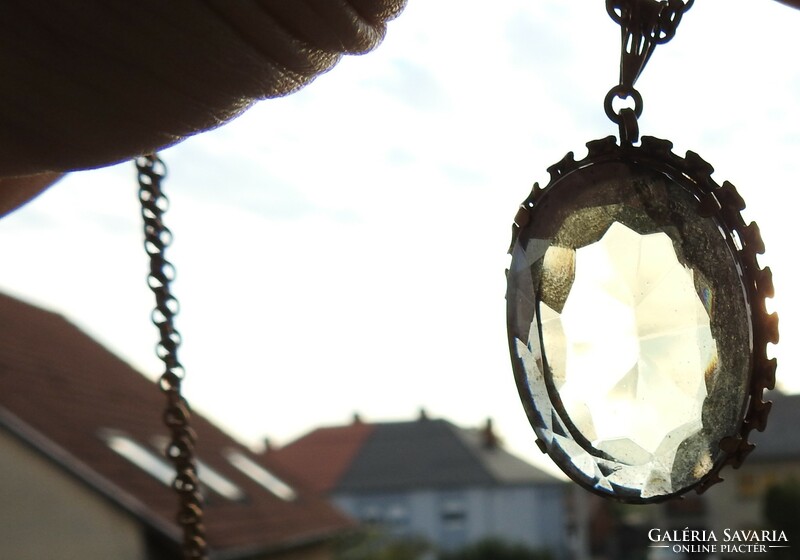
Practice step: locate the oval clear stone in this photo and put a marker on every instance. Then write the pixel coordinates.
(630, 332)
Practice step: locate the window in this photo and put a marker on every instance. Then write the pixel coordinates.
(453, 513)
(397, 515)
(209, 478)
(390, 511)
(453, 516)
(140, 456)
(371, 514)
(218, 483)
(158, 467)
(261, 475)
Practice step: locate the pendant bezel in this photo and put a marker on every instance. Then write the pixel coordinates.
(724, 205)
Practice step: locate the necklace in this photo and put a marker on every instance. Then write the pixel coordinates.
(636, 311)
(177, 413)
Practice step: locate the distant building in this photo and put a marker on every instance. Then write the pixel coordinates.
(81, 467)
(429, 478)
(738, 502)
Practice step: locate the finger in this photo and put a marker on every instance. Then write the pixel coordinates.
(16, 191)
(92, 82)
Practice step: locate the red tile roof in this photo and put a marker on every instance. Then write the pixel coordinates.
(320, 458)
(59, 390)
(399, 456)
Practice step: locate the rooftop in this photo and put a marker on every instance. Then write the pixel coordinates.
(391, 456)
(75, 402)
(781, 439)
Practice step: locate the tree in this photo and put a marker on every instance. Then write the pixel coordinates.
(782, 513)
(377, 545)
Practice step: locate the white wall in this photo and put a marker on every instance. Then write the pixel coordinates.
(45, 513)
(529, 515)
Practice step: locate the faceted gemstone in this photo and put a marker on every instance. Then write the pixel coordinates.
(630, 331)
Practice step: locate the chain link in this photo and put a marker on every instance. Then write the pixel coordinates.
(644, 24)
(661, 17)
(151, 171)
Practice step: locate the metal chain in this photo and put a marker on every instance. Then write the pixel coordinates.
(151, 170)
(644, 24)
(658, 18)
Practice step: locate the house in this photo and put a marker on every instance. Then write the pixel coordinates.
(738, 502)
(429, 478)
(81, 467)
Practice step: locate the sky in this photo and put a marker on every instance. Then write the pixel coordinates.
(343, 249)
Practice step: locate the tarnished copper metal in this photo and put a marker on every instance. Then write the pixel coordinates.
(177, 414)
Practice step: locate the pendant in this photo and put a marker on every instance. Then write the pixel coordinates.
(637, 322)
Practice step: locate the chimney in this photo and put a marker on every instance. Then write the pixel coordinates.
(265, 446)
(357, 418)
(488, 438)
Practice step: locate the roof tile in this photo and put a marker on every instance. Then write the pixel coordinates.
(65, 388)
(395, 456)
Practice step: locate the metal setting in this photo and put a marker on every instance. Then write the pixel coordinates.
(720, 203)
(151, 170)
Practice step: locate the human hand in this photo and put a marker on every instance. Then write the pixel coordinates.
(91, 83)
(94, 82)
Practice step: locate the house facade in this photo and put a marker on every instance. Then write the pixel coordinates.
(433, 480)
(82, 468)
(735, 506)
(738, 503)
(36, 494)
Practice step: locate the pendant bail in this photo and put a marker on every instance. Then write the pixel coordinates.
(643, 25)
(639, 23)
